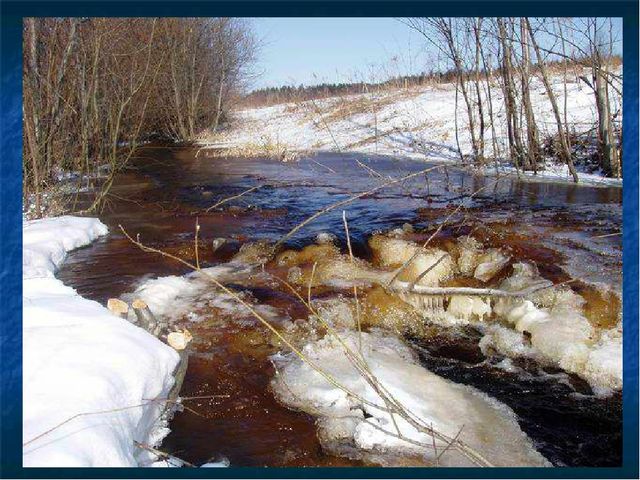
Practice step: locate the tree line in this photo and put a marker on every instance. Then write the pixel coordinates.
(94, 88)
(296, 93)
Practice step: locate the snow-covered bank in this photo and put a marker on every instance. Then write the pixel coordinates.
(418, 122)
(90, 372)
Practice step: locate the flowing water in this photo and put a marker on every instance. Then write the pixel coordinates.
(569, 231)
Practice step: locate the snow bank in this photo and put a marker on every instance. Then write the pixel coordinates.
(348, 426)
(46, 242)
(82, 363)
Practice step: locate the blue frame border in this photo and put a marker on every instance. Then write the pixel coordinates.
(11, 220)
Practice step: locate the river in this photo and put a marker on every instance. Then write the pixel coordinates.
(570, 231)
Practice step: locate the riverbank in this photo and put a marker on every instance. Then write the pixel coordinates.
(94, 383)
(418, 123)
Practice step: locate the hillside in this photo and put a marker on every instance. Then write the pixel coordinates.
(419, 122)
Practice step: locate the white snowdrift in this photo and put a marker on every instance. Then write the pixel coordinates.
(79, 359)
(45, 242)
(489, 426)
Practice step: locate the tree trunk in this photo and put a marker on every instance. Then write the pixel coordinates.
(477, 28)
(533, 145)
(515, 143)
(610, 159)
(565, 151)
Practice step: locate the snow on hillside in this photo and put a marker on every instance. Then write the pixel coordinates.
(418, 122)
(84, 369)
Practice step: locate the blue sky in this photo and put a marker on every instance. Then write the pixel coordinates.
(313, 50)
(317, 50)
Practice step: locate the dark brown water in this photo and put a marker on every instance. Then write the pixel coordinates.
(565, 229)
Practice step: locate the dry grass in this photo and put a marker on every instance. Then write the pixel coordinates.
(347, 107)
(266, 147)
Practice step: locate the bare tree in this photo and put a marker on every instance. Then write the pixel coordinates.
(508, 84)
(533, 141)
(609, 151)
(444, 29)
(565, 151)
(45, 68)
(476, 25)
(116, 82)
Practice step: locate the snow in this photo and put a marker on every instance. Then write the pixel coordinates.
(90, 378)
(417, 122)
(174, 296)
(220, 464)
(490, 427)
(47, 241)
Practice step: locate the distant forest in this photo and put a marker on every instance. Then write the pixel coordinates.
(266, 96)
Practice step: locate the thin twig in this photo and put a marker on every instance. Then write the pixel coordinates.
(313, 273)
(228, 199)
(406, 287)
(196, 244)
(355, 287)
(161, 454)
(607, 235)
(116, 410)
(431, 267)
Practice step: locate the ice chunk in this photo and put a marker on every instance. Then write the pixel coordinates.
(469, 250)
(505, 341)
(603, 368)
(325, 238)
(489, 264)
(558, 332)
(469, 308)
(489, 426)
(395, 252)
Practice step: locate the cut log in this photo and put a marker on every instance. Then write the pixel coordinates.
(178, 375)
(146, 318)
(118, 307)
(180, 339)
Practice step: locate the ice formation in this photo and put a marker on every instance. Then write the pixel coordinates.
(395, 252)
(475, 261)
(351, 427)
(557, 332)
(173, 296)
